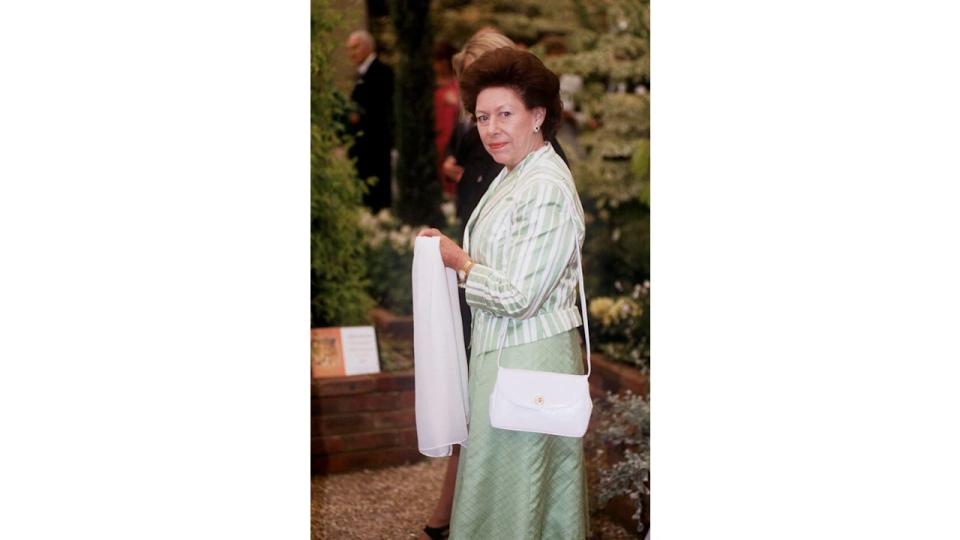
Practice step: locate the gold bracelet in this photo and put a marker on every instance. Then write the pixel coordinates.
(465, 271)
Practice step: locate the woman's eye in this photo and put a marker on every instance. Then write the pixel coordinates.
(482, 118)
(506, 113)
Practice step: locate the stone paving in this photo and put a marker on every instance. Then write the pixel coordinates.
(393, 503)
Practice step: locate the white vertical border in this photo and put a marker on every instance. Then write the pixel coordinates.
(154, 299)
(806, 334)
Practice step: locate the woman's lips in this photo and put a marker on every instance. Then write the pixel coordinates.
(497, 146)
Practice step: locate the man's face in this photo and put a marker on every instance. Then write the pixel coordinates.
(357, 49)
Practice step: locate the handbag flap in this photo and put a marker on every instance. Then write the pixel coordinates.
(541, 389)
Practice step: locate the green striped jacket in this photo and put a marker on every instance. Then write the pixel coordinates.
(521, 237)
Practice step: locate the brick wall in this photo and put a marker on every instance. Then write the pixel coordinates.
(363, 421)
(610, 376)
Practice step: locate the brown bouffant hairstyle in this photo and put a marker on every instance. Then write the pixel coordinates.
(520, 71)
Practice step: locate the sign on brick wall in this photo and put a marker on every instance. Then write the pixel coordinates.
(343, 350)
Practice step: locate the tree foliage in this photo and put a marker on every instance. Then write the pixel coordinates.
(417, 175)
(610, 51)
(336, 250)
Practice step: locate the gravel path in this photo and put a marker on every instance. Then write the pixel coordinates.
(392, 503)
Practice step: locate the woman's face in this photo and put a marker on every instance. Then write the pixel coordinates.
(506, 126)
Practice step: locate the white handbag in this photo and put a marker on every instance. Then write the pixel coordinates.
(543, 401)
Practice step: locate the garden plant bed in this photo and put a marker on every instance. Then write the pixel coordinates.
(619, 509)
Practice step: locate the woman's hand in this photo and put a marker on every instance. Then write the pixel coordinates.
(450, 252)
(451, 170)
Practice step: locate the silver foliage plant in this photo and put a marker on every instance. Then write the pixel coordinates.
(624, 426)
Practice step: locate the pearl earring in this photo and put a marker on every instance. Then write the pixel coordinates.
(536, 129)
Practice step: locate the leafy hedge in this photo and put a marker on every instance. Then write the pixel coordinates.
(337, 272)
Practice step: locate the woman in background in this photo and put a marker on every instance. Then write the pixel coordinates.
(446, 107)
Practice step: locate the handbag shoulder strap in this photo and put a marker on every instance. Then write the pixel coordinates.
(583, 304)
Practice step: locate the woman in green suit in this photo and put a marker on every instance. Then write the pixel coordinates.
(519, 271)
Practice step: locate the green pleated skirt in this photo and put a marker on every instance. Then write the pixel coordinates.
(517, 485)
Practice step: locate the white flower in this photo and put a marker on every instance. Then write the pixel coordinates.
(449, 209)
(367, 221)
(376, 239)
(385, 217)
(397, 240)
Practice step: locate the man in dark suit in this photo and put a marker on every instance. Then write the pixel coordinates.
(372, 123)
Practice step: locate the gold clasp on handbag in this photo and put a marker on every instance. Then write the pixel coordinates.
(538, 400)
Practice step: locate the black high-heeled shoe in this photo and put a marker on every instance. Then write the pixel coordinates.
(437, 533)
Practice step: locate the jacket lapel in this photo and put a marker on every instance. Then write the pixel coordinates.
(474, 216)
(490, 199)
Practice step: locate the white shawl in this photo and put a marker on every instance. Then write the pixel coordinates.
(440, 363)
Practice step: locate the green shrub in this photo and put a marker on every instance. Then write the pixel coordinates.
(337, 274)
(388, 254)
